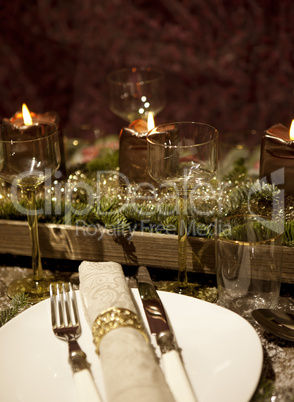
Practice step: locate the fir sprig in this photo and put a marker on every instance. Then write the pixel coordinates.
(18, 303)
(139, 211)
(289, 234)
(116, 223)
(120, 211)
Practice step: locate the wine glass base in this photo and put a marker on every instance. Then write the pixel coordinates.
(36, 290)
(206, 293)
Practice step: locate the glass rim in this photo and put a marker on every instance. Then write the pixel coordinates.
(249, 243)
(134, 69)
(46, 136)
(150, 133)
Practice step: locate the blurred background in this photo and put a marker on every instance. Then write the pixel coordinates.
(228, 63)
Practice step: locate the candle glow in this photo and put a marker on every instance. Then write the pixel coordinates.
(26, 115)
(292, 131)
(150, 121)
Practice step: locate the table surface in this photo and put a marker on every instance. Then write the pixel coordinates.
(277, 379)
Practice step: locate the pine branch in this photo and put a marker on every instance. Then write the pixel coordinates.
(115, 209)
(289, 234)
(116, 223)
(18, 303)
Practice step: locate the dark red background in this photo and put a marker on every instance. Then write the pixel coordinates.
(228, 63)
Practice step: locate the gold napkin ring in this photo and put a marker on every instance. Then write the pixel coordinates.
(112, 318)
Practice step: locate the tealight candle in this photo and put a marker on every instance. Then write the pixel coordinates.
(133, 150)
(277, 152)
(26, 118)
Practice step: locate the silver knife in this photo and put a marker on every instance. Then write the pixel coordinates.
(173, 368)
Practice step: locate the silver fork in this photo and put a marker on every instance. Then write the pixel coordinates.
(66, 326)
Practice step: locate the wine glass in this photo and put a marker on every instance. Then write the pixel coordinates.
(136, 91)
(28, 156)
(183, 156)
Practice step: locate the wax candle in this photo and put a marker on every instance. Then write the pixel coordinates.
(26, 117)
(18, 118)
(277, 152)
(133, 150)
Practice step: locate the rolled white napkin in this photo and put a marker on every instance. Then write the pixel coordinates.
(129, 365)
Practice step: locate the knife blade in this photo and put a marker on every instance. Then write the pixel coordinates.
(173, 368)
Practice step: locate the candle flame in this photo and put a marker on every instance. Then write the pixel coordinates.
(26, 115)
(292, 131)
(150, 121)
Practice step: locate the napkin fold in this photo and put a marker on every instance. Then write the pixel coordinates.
(129, 365)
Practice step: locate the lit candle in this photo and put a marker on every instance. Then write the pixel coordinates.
(25, 118)
(21, 118)
(277, 152)
(133, 150)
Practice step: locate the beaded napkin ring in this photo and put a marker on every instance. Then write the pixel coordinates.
(112, 318)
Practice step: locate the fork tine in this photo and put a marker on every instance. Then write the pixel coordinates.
(67, 307)
(53, 316)
(74, 304)
(60, 302)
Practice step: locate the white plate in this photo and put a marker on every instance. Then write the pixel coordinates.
(221, 351)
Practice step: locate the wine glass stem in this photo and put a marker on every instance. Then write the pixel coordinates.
(182, 242)
(33, 227)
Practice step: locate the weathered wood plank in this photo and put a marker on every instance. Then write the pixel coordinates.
(92, 244)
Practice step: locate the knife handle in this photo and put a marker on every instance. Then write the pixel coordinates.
(176, 377)
(86, 388)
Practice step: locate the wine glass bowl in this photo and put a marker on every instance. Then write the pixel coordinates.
(136, 91)
(28, 156)
(182, 156)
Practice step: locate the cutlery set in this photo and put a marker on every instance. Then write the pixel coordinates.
(66, 326)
